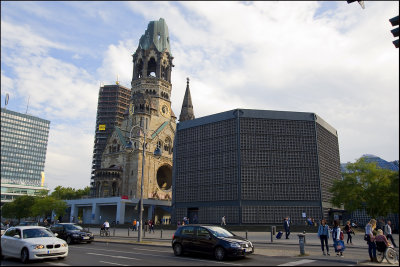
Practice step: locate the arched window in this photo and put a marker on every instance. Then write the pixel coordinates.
(139, 69)
(151, 67)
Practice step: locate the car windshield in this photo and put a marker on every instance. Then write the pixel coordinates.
(34, 233)
(220, 232)
(73, 227)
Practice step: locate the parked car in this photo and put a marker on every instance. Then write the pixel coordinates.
(212, 240)
(32, 243)
(72, 232)
(28, 223)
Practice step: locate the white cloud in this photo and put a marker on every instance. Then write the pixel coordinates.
(340, 64)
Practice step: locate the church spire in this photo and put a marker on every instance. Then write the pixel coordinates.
(187, 107)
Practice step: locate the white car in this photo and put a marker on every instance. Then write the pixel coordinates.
(32, 243)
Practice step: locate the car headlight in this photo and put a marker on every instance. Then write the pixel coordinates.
(64, 245)
(251, 244)
(38, 246)
(234, 245)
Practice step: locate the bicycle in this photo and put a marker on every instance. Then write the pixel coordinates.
(104, 232)
(383, 251)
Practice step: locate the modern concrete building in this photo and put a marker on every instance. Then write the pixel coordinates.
(113, 102)
(23, 154)
(254, 167)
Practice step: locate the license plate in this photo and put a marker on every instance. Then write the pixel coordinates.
(85, 237)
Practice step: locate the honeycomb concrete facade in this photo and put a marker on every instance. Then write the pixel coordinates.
(254, 167)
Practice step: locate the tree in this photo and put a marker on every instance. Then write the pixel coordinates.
(69, 193)
(21, 207)
(365, 185)
(44, 206)
(8, 210)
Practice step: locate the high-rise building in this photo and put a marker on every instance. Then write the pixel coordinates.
(113, 102)
(23, 154)
(254, 167)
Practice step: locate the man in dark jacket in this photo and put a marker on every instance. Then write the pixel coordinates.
(286, 225)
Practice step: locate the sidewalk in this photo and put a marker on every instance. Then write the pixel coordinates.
(262, 242)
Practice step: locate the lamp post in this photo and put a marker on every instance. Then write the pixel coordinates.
(157, 153)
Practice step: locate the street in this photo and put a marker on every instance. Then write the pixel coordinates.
(107, 254)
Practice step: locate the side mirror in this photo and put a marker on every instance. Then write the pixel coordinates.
(17, 236)
(55, 234)
(208, 237)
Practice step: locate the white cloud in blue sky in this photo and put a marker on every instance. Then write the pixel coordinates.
(331, 58)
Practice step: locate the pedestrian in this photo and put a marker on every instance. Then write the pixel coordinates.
(134, 225)
(137, 225)
(323, 234)
(338, 243)
(388, 233)
(349, 231)
(146, 226)
(370, 238)
(380, 224)
(286, 226)
(151, 226)
(223, 221)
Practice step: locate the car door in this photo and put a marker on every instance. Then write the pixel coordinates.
(14, 243)
(6, 241)
(59, 229)
(187, 237)
(203, 241)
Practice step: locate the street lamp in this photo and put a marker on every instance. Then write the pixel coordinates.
(157, 153)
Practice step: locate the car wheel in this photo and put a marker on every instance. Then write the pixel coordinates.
(69, 240)
(178, 251)
(219, 253)
(24, 255)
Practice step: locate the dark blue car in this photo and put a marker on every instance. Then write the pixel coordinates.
(213, 240)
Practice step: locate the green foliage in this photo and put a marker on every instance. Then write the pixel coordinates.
(68, 193)
(22, 207)
(8, 210)
(365, 185)
(45, 205)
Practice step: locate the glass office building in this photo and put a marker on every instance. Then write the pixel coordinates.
(23, 153)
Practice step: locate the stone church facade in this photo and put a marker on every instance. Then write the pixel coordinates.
(149, 115)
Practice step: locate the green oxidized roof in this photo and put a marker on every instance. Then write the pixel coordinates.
(121, 136)
(157, 34)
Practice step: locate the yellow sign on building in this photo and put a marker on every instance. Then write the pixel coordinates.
(42, 179)
(102, 127)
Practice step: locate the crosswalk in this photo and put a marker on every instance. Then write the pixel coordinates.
(294, 263)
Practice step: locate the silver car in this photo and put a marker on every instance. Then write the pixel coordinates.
(32, 243)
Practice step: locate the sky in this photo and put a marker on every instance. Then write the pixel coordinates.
(331, 58)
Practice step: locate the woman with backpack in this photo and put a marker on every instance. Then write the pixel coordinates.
(337, 236)
(323, 234)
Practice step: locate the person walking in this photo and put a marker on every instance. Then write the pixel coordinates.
(388, 233)
(337, 242)
(349, 231)
(134, 225)
(286, 226)
(137, 225)
(323, 234)
(370, 238)
(223, 221)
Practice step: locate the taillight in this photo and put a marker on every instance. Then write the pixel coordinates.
(173, 236)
